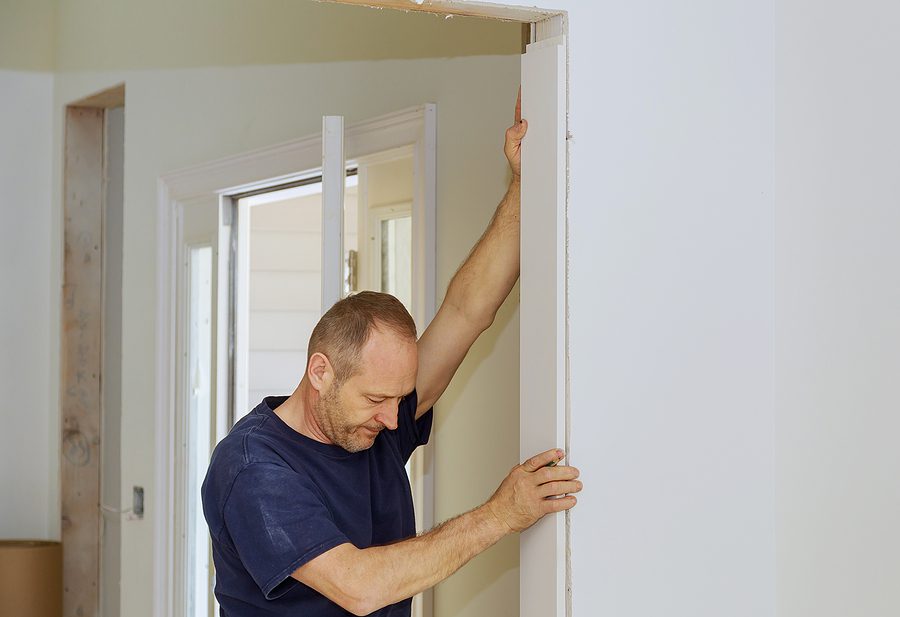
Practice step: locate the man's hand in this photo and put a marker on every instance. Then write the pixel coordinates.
(365, 580)
(514, 135)
(532, 490)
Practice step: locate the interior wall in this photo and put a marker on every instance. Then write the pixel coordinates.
(27, 35)
(28, 441)
(178, 118)
(671, 307)
(838, 301)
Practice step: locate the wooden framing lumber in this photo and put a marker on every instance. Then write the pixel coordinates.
(467, 8)
(81, 360)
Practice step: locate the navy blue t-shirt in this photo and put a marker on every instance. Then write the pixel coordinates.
(275, 499)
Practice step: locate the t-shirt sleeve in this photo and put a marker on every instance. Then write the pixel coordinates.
(278, 522)
(412, 433)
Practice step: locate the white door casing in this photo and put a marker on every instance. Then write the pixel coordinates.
(334, 178)
(199, 224)
(543, 311)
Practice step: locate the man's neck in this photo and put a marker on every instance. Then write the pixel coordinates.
(297, 412)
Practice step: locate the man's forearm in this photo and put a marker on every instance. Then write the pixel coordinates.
(401, 570)
(363, 580)
(492, 268)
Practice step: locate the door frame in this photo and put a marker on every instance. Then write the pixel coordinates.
(265, 167)
(539, 576)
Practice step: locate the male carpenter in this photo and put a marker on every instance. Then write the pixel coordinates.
(307, 498)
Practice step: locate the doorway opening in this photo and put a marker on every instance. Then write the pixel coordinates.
(249, 245)
(546, 579)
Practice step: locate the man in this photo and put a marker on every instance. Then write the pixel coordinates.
(307, 499)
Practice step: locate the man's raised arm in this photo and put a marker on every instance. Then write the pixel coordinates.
(477, 290)
(363, 580)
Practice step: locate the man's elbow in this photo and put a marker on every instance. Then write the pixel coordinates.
(359, 604)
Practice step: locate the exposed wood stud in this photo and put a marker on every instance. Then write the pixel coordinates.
(81, 357)
(466, 8)
(107, 99)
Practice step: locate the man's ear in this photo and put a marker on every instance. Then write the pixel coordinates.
(319, 371)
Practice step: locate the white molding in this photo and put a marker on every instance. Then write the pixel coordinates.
(543, 548)
(273, 164)
(163, 556)
(413, 129)
(334, 178)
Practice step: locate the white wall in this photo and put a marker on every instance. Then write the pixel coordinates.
(177, 118)
(671, 302)
(838, 308)
(734, 295)
(30, 426)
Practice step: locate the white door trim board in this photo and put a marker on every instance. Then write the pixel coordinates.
(334, 177)
(543, 568)
(415, 127)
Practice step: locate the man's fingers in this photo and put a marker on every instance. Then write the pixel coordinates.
(558, 505)
(516, 133)
(519, 105)
(555, 474)
(553, 489)
(543, 459)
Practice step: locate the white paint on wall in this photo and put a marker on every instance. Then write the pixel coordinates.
(671, 300)
(29, 439)
(838, 308)
(671, 307)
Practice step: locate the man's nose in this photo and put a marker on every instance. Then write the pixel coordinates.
(389, 417)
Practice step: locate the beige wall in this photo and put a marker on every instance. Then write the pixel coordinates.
(89, 35)
(27, 34)
(176, 118)
(136, 34)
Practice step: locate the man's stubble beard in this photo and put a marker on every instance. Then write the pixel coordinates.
(333, 421)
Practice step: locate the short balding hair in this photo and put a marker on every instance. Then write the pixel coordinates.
(343, 330)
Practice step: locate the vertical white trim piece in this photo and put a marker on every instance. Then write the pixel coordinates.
(242, 315)
(542, 311)
(166, 241)
(425, 275)
(221, 359)
(363, 268)
(424, 216)
(334, 177)
(429, 210)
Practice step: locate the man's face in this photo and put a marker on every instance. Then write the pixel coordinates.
(352, 414)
